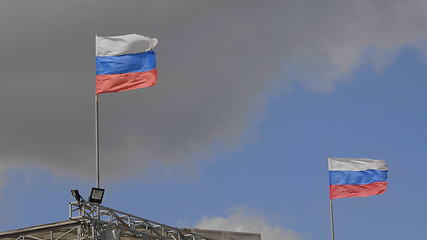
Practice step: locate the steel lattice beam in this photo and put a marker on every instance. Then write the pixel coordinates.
(103, 219)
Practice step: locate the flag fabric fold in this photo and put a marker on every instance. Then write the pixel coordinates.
(124, 63)
(356, 177)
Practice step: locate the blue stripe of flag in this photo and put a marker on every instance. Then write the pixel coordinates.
(128, 63)
(357, 177)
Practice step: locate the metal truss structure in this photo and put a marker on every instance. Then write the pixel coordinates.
(100, 222)
(90, 221)
(66, 230)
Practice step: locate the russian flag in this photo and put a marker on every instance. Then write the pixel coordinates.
(356, 177)
(124, 63)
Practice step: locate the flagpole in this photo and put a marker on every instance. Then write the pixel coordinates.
(97, 140)
(331, 214)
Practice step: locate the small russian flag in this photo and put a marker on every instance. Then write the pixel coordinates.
(124, 63)
(356, 177)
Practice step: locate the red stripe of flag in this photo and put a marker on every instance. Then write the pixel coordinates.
(345, 191)
(125, 81)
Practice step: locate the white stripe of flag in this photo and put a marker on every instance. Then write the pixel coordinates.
(356, 164)
(125, 44)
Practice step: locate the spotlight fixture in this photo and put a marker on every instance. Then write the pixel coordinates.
(96, 195)
(76, 195)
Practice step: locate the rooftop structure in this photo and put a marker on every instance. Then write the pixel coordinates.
(90, 221)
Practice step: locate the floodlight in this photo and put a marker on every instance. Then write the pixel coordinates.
(96, 195)
(76, 195)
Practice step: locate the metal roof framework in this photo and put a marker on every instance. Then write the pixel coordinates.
(90, 221)
(66, 230)
(101, 220)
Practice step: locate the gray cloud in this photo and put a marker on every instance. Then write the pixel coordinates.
(245, 220)
(217, 62)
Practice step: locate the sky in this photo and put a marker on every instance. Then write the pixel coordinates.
(252, 98)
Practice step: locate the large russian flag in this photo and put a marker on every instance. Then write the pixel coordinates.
(124, 63)
(356, 177)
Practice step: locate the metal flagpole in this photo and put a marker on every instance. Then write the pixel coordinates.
(97, 140)
(331, 213)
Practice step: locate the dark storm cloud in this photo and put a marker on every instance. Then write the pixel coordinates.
(217, 61)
